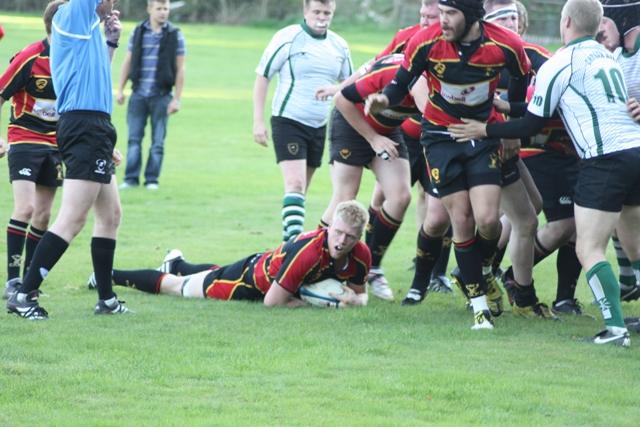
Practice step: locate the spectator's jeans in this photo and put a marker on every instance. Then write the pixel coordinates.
(140, 108)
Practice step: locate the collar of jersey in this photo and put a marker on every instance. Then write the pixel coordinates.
(579, 40)
(308, 30)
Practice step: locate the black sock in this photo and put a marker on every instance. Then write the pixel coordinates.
(440, 268)
(143, 280)
(33, 238)
(102, 252)
(487, 247)
(470, 264)
(47, 254)
(569, 269)
(428, 250)
(183, 268)
(369, 227)
(539, 251)
(382, 232)
(497, 260)
(524, 296)
(16, 234)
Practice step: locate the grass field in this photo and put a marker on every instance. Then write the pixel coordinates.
(186, 362)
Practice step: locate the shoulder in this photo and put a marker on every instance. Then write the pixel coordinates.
(29, 52)
(288, 33)
(334, 37)
(502, 36)
(536, 49)
(362, 253)
(171, 28)
(408, 31)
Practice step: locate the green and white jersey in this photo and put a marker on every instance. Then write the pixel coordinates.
(630, 64)
(585, 84)
(304, 62)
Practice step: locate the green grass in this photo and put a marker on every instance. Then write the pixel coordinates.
(196, 362)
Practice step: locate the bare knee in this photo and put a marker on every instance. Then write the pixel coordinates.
(23, 211)
(525, 225)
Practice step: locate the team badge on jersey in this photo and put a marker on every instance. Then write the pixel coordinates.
(293, 148)
(41, 84)
(435, 175)
(440, 68)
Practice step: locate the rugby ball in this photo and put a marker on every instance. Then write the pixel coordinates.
(319, 294)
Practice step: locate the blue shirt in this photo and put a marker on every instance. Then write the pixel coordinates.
(150, 47)
(80, 63)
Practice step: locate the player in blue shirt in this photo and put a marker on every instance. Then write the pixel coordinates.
(81, 70)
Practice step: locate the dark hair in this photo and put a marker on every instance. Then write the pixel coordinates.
(49, 11)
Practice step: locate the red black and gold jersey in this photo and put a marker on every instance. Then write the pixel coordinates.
(306, 259)
(537, 54)
(28, 83)
(379, 75)
(399, 41)
(463, 78)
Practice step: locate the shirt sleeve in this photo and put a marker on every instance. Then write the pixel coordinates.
(297, 264)
(274, 56)
(551, 82)
(518, 62)
(17, 75)
(77, 18)
(182, 47)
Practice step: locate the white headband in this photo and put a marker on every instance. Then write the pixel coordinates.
(503, 12)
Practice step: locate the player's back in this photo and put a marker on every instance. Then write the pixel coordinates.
(593, 105)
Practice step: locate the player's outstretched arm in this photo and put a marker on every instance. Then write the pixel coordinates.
(279, 296)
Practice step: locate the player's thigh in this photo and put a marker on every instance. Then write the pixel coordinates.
(393, 176)
(516, 204)
(529, 184)
(107, 205)
(191, 286)
(485, 203)
(346, 180)
(294, 173)
(24, 193)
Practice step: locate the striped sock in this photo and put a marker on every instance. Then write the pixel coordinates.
(292, 215)
(636, 270)
(16, 235)
(33, 238)
(606, 291)
(627, 277)
(368, 229)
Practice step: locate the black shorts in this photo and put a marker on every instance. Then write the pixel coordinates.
(295, 141)
(349, 147)
(509, 171)
(417, 161)
(555, 176)
(35, 163)
(608, 182)
(458, 166)
(233, 281)
(86, 140)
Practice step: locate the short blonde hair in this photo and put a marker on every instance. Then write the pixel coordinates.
(49, 11)
(585, 15)
(353, 213)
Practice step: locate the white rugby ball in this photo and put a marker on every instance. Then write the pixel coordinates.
(319, 294)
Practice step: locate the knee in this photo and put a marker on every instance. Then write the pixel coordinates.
(526, 225)
(41, 218)
(488, 222)
(462, 222)
(436, 224)
(400, 198)
(23, 212)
